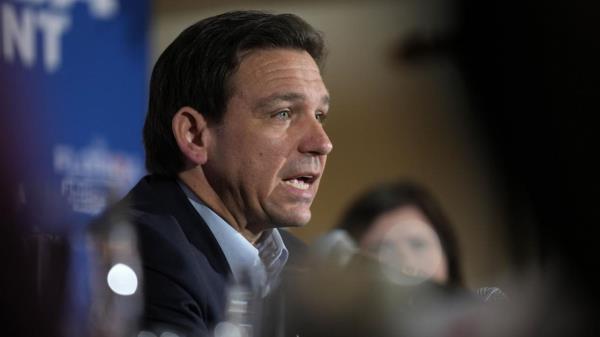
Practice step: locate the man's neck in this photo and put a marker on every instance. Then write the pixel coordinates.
(196, 181)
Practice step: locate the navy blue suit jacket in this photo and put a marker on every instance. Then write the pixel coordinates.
(185, 270)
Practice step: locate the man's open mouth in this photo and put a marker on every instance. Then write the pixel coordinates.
(301, 182)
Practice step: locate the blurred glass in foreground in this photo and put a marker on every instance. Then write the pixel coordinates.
(116, 280)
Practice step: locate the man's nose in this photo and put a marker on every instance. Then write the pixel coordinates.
(315, 140)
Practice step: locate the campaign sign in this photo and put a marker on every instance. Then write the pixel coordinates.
(73, 95)
(73, 77)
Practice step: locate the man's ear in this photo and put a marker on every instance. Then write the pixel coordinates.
(191, 134)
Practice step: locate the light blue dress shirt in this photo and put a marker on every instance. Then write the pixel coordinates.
(258, 265)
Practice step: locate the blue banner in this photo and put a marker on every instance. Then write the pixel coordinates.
(73, 77)
(73, 93)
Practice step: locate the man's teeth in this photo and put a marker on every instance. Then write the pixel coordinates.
(299, 184)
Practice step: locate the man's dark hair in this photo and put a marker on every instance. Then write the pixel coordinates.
(363, 212)
(196, 67)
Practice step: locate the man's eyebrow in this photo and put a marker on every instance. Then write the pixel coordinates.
(286, 97)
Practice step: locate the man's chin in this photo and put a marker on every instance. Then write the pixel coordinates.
(292, 219)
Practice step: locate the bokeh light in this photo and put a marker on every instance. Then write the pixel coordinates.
(122, 279)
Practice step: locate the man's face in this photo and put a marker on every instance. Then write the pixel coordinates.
(266, 158)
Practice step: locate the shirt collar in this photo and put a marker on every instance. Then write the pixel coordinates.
(259, 264)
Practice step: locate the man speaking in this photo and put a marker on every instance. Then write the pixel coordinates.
(235, 148)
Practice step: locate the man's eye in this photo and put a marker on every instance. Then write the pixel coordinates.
(283, 114)
(321, 117)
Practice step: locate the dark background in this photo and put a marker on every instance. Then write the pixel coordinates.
(531, 69)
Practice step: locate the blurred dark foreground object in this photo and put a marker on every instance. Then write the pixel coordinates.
(358, 300)
(531, 71)
(361, 299)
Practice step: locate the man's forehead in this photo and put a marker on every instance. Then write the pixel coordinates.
(279, 74)
(277, 63)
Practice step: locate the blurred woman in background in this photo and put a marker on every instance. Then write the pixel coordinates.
(403, 226)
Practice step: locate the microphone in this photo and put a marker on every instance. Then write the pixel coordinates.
(336, 247)
(491, 295)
